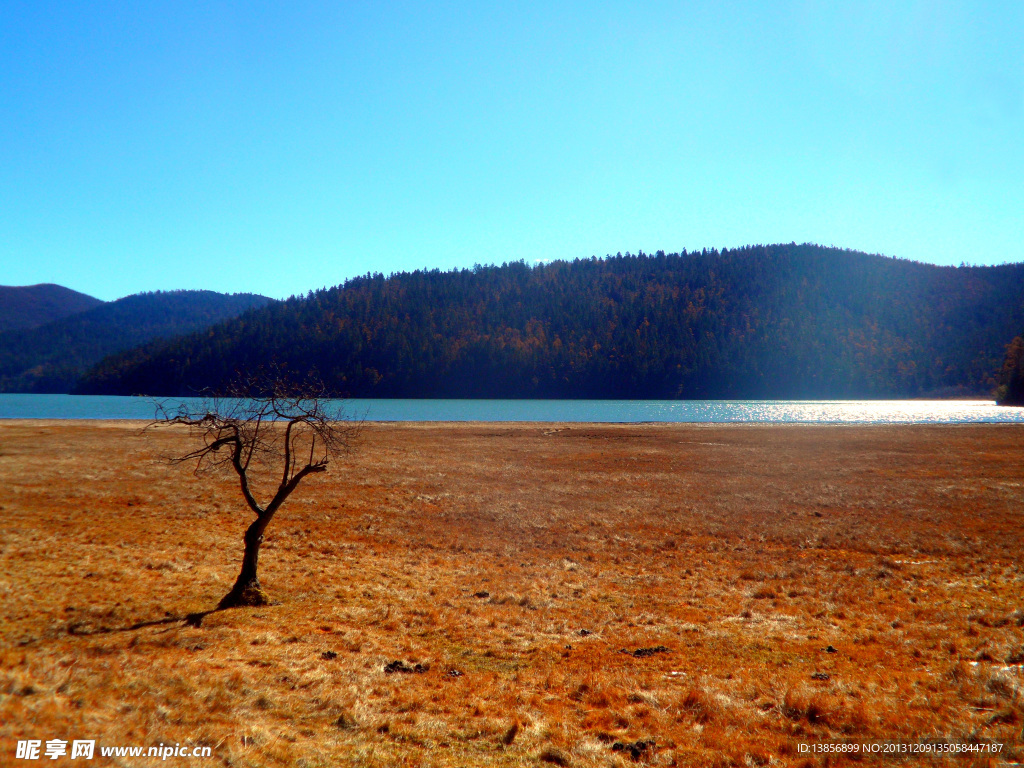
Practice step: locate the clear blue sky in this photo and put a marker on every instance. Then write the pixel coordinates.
(279, 147)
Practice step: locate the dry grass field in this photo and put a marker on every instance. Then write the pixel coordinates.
(784, 586)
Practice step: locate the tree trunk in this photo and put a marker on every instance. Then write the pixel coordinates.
(247, 590)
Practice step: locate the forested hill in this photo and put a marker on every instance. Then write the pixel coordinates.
(763, 321)
(1011, 385)
(52, 357)
(26, 306)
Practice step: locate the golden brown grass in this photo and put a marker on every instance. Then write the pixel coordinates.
(746, 551)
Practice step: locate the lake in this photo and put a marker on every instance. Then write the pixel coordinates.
(18, 406)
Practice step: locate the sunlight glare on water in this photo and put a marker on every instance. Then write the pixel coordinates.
(692, 411)
(18, 406)
(851, 411)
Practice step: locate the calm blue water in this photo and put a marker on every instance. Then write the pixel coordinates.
(709, 411)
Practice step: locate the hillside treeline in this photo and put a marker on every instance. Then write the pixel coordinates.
(782, 321)
(53, 357)
(1011, 384)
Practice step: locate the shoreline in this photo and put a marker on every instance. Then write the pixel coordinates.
(552, 412)
(560, 425)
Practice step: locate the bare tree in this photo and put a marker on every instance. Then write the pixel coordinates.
(267, 429)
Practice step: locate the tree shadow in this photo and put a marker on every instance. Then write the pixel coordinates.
(194, 619)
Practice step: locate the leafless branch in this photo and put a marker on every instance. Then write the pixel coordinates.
(237, 428)
(260, 422)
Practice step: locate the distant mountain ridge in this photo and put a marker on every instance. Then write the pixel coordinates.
(28, 306)
(52, 357)
(779, 321)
